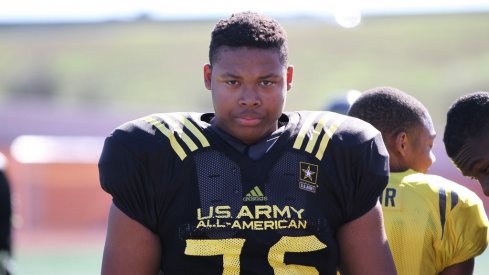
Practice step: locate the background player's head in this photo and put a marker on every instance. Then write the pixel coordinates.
(342, 104)
(248, 75)
(405, 124)
(248, 29)
(466, 136)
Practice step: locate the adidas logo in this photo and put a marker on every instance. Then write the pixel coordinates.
(255, 195)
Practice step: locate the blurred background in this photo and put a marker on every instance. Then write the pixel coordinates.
(71, 72)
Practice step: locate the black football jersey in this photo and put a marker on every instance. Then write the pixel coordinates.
(217, 211)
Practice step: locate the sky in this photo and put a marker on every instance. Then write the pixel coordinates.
(33, 11)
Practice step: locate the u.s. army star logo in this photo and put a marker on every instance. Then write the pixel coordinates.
(308, 177)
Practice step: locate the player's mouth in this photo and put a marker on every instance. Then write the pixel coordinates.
(249, 120)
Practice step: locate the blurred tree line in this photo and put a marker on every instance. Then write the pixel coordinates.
(156, 66)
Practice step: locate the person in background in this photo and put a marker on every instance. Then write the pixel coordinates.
(466, 136)
(342, 104)
(248, 189)
(5, 221)
(434, 225)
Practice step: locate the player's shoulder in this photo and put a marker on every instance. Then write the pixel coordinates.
(175, 120)
(184, 131)
(349, 130)
(442, 186)
(164, 123)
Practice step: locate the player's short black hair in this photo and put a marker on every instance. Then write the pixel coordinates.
(390, 110)
(249, 29)
(467, 117)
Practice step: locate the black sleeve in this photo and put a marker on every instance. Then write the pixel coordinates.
(365, 162)
(373, 176)
(5, 213)
(124, 175)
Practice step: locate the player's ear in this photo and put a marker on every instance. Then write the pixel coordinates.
(401, 143)
(207, 76)
(290, 74)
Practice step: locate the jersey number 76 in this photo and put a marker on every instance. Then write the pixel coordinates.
(231, 251)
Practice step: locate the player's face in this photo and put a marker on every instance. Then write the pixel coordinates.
(420, 156)
(473, 161)
(249, 89)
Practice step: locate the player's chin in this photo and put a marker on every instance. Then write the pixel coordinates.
(250, 135)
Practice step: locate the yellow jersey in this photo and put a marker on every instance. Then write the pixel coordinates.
(431, 222)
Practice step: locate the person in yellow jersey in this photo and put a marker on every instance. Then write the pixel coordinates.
(433, 225)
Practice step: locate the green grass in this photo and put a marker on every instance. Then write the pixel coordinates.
(73, 260)
(83, 260)
(157, 66)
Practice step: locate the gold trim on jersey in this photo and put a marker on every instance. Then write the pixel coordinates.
(321, 127)
(177, 122)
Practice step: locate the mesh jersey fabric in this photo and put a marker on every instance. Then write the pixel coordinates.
(431, 222)
(217, 211)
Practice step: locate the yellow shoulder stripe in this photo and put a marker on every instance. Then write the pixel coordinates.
(303, 131)
(176, 124)
(196, 132)
(328, 134)
(314, 133)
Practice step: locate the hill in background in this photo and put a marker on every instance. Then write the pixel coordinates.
(135, 68)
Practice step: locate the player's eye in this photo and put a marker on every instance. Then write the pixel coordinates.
(266, 83)
(232, 82)
(485, 170)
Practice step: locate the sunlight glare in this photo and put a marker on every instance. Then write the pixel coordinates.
(347, 15)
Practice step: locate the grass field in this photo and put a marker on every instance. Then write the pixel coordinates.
(157, 66)
(48, 261)
(85, 257)
(51, 252)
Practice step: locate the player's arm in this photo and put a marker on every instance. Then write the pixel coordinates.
(130, 248)
(363, 246)
(463, 268)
